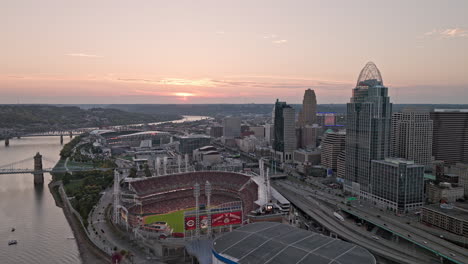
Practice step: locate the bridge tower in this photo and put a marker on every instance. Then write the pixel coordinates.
(61, 139)
(70, 133)
(38, 174)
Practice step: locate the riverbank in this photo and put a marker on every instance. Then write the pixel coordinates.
(89, 253)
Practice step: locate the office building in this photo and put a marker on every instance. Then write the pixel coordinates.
(397, 184)
(450, 137)
(326, 119)
(444, 192)
(258, 131)
(187, 144)
(411, 136)
(269, 133)
(308, 114)
(310, 157)
(461, 169)
(333, 144)
(451, 218)
(216, 131)
(285, 131)
(367, 130)
(309, 135)
(232, 127)
(341, 166)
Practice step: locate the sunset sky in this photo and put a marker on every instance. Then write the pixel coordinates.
(220, 51)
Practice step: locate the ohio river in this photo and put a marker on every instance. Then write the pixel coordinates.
(42, 230)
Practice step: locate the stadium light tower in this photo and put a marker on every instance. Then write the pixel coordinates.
(178, 162)
(196, 193)
(165, 165)
(157, 165)
(208, 200)
(116, 196)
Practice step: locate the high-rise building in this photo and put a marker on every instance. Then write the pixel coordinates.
(216, 131)
(308, 114)
(269, 133)
(333, 144)
(326, 119)
(368, 129)
(188, 143)
(411, 136)
(397, 184)
(450, 137)
(341, 165)
(461, 170)
(259, 131)
(232, 127)
(285, 130)
(309, 134)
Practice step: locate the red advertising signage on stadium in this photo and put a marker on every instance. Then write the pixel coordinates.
(190, 222)
(221, 219)
(231, 218)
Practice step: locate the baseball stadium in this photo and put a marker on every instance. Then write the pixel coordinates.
(165, 206)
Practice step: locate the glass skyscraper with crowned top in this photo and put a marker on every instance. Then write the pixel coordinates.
(368, 129)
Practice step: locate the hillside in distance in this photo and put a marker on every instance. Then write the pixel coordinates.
(47, 117)
(245, 109)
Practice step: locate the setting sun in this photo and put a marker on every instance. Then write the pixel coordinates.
(184, 94)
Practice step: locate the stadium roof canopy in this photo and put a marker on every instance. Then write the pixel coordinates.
(268, 242)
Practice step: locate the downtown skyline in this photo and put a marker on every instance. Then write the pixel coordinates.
(210, 52)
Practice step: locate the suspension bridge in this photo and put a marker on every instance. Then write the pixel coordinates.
(38, 170)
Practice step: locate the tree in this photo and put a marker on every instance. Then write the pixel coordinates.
(133, 173)
(147, 171)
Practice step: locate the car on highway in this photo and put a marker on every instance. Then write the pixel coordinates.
(375, 237)
(451, 254)
(425, 242)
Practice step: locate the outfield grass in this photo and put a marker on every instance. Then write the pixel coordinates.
(175, 220)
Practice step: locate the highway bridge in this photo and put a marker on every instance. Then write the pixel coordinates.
(38, 171)
(49, 170)
(314, 206)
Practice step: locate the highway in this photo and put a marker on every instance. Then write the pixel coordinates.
(324, 216)
(420, 238)
(398, 226)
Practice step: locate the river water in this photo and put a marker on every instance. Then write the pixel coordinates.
(42, 230)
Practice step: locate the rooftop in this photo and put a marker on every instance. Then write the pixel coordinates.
(452, 110)
(370, 76)
(459, 211)
(267, 242)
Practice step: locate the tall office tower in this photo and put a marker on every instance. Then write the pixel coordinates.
(341, 165)
(333, 144)
(326, 119)
(397, 184)
(411, 136)
(216, 131)
(309, 134)
(269, 133)
(232, 127)
(285, 130)
(368, 129)
(308, 114)
(450, 137)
